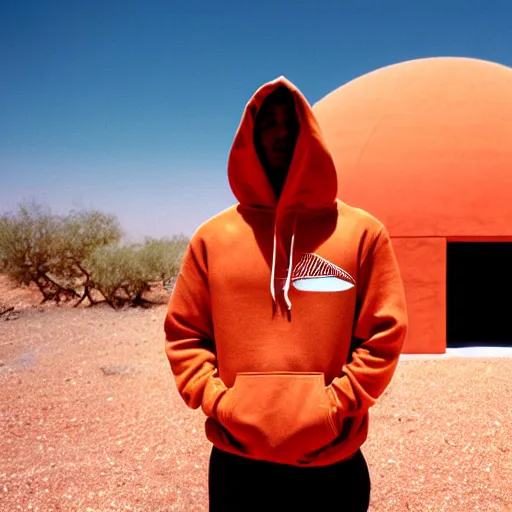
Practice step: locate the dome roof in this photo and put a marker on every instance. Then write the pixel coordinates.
(426, 146)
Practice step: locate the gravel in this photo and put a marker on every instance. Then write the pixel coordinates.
(91, 421)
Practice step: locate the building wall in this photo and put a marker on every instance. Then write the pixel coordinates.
(422, 263)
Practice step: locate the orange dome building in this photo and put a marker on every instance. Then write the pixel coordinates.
(426, 147)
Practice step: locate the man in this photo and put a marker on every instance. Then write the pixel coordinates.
(286, 391)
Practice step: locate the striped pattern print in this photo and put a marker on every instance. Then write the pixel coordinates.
(312, 265)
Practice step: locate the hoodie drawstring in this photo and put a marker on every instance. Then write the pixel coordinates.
(290, 267)
(273, 274)
(287, 284)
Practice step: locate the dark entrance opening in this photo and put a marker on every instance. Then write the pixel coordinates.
(479, 294)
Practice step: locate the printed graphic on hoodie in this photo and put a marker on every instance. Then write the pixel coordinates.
(315, 274)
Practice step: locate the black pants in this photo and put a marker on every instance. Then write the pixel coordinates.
(237, 484)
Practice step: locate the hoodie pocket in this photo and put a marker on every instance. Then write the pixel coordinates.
(285, 416)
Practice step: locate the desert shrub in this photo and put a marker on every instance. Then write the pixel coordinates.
(82, 233)
(29, 242)
(38, 246)
(117, 273)
(73, 256)
(123, 273)
(162, 257)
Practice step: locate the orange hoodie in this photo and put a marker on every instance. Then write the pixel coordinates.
(287, 320)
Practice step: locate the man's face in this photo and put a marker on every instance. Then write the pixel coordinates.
(275, 133)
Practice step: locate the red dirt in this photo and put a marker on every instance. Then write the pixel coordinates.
(91, 421)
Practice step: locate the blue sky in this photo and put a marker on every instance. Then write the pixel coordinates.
(130, 107)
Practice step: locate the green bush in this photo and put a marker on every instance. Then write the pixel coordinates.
(123, 273)
(30, 243)
(117, 273)
(162, 257)
(70, 257)
(82, 233)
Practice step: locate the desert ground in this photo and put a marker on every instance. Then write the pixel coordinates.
(91, 421)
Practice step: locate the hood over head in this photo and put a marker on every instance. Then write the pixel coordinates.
(311, 182)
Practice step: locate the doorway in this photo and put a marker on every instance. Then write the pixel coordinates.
(479, 294)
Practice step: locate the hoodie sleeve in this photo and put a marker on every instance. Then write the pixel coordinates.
(189, 340)
(379, 331)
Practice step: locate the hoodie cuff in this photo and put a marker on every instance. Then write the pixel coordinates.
(213, 392)
(335, 401)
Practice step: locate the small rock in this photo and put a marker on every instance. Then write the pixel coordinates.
(117, 370)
